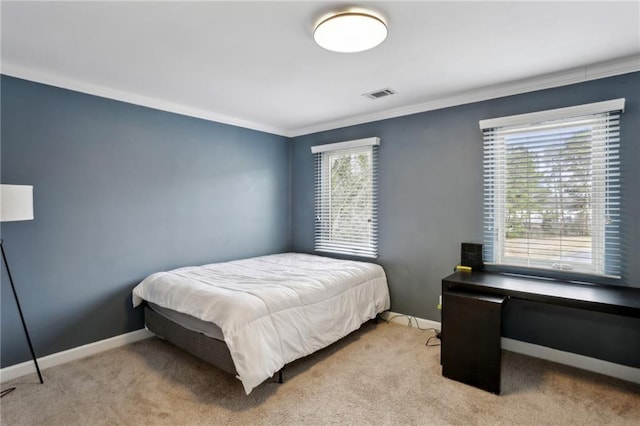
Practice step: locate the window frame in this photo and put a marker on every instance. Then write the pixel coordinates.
(496, 189)
(324, 241)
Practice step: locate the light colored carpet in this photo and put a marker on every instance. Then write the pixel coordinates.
(381, 374)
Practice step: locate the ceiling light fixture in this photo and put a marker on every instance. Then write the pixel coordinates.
(350, 31)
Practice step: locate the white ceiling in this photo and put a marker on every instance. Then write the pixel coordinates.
(255, 64)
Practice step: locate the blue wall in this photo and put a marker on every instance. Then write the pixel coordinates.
(430, 200)
(121, 191)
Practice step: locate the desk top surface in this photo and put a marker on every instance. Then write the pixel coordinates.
(604, 298)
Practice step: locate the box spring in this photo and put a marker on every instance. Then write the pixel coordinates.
(206, 348)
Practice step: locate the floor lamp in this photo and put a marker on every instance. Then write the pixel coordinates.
(16, 203)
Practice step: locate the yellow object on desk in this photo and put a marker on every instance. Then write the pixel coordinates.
(463, 268)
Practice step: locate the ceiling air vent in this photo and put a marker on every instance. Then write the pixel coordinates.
(381, 93)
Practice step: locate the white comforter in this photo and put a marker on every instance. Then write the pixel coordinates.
(273, 309)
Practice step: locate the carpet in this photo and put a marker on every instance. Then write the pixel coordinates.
(382, 374)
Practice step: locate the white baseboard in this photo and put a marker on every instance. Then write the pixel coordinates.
(607, 368)
(595, 365)
(409, 320)
(28, 367)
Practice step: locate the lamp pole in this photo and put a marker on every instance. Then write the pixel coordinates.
(24, 324)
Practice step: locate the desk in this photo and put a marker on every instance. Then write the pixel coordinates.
(472, 308)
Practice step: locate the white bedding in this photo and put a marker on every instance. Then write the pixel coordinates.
(273, 309)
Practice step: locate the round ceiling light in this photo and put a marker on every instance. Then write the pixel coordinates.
(348, 32)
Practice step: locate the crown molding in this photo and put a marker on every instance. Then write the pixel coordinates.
(133, 98)
(548, 81)
(575, 75)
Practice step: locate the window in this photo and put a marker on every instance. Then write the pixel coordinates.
(346, 213)
(552, 189)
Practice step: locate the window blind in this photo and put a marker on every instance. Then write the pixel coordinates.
(346, 187)
(552, 189)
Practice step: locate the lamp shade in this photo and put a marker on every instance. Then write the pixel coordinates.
(16, 203)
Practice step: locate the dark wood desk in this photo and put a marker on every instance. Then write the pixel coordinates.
(471, 310)
(602, 298)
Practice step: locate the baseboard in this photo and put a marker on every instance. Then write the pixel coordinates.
(595, 365)
(409, 320)
(28, 367)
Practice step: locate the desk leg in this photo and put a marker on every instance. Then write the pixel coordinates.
(471, 351)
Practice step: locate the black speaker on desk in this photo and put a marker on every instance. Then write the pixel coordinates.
(471, 255)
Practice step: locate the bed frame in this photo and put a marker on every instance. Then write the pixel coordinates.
(206, 348)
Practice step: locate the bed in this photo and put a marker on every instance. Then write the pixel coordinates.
(250, 317)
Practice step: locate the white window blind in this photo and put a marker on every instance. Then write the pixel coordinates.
(346, 197)
(552, 189)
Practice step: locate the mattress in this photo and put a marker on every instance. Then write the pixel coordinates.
(273, 309)
(209, 329)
